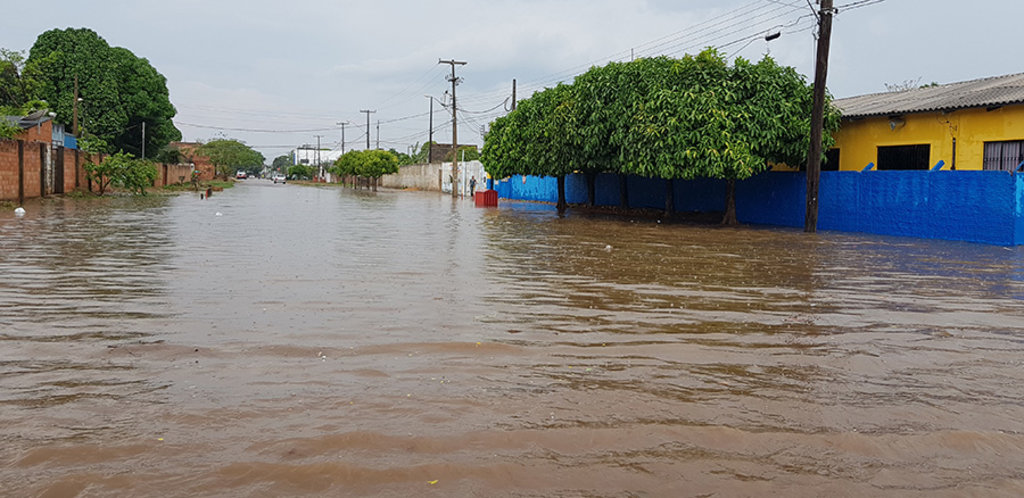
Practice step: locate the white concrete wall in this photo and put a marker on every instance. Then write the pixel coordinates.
(425, 177)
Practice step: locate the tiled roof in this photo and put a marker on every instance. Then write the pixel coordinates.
(985, 92)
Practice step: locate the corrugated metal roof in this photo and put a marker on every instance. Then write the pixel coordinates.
(985, 92)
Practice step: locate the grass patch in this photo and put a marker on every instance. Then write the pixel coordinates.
(187, 187)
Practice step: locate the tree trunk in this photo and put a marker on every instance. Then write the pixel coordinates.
(591, 189)
(623, 192)
(375, 180)
(670, 197)
(561, 194)
(730, 204)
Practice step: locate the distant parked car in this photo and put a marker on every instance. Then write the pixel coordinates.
(241, 175)
(279, 178)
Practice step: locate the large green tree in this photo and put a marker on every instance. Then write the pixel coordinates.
(369, 164)
(281, 163)
(538, 138)
(694, 117)
(119, 90)
(229, 156)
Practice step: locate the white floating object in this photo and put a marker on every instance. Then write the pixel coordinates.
(19, 212)
(608, 248)
(218, 214)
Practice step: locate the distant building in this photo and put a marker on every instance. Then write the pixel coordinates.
(40, 127)
(970, 125)
(190, 156)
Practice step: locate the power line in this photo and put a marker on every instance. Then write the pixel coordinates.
(253, 130)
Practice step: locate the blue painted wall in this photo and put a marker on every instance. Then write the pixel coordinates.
(976, 206)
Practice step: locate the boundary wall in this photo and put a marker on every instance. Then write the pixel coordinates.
(30, 169)
(974, 206)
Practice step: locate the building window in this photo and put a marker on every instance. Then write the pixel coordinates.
(1003, 156)
(904, 157)
(831, 162)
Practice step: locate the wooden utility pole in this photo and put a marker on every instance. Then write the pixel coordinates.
(74, 111)
(343, 123)
(430, 133)
(455, 126)
(818, 115)
(368, 127)
(513, 94)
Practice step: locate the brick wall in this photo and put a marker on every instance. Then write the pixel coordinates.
(33, 166)
(172, 174)
(8, 170)
(69, 169)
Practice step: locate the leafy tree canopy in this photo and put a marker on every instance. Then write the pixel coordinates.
(661, 117)
(366, 163)
(229, 156)
(281, 163)
(119, 90)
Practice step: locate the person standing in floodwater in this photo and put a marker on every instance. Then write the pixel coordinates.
(472, 186)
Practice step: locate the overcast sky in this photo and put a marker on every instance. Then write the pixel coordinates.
(301, 66)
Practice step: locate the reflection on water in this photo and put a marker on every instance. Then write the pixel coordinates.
(318, 341)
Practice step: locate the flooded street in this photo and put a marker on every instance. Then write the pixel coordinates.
(329, 342)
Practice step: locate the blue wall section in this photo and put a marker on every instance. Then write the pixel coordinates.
(1019, 210)
(976, 206)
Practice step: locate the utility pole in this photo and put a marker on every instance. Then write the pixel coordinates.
(455, 125)
(143, 139)
(818, 115)
(320, 168)
(368, 127)
(343, 123)
(513, 94)
(430, 133)
(378, 134)
(74, 112)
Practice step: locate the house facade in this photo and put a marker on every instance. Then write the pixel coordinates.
(970, 125)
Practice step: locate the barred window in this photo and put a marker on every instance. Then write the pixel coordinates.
(1003, 156)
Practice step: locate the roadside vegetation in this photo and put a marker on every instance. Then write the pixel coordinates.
(365, 166)
(675, 119)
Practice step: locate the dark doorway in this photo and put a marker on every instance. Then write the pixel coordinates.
(904, 157)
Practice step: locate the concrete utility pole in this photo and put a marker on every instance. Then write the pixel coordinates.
(378, 134)
(430, 133)
(343, 123)
(320, 168)
(455, 125)
(368, 127)
(513, 94)
(143, 140)
(818, 115)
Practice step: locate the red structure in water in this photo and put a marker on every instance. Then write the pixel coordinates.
(486, 198)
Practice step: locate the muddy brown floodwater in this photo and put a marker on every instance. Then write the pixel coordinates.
(326, 342)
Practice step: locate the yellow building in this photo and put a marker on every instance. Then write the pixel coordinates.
(970, 125)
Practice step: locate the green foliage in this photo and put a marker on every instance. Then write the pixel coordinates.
(465, 153)
(124, 171)
(119, 90)
(229, 156)
(281, 163)
(18, 85)
(170, 155)
(7, 128)
(661, 117)
(366, 163)
(300, 172)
